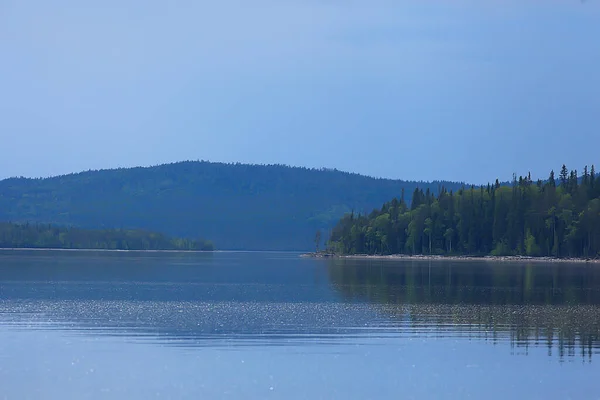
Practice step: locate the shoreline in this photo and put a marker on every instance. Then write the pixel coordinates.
(456, 258)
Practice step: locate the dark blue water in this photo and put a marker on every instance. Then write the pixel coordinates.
(274, 325)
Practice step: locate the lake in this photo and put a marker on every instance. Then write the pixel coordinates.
(134, 325)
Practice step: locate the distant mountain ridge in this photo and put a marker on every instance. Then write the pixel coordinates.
(237, 206)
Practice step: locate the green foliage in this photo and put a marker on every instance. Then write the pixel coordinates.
(48, 236)
(254, 207)
(501, 249)
(531, 247)
(535, 219)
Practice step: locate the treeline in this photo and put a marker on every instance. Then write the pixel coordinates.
(557, 217)
(49, 236)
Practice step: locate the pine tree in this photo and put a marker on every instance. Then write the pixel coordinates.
(564, 176)
(551, 180)
(593, 183)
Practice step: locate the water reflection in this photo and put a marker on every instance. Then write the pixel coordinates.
(259, 299)
(554, 305)
(221, 299)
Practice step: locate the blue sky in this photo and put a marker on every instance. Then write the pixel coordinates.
(457, 90)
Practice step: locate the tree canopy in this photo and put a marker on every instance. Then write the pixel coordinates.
(48, 236)
(543, 218)
(238, 206)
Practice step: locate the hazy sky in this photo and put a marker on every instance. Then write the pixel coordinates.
(438, 89)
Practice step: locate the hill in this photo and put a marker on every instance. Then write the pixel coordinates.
(236, 206)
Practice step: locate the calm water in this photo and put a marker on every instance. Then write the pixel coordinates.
(273, 325)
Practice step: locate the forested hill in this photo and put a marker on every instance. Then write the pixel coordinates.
(237, 206)
(557, 217)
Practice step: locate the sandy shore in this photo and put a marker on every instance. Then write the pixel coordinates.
(520, 259)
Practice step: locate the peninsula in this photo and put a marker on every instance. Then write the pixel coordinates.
(555, 218)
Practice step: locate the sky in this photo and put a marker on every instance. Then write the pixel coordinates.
(418, 90)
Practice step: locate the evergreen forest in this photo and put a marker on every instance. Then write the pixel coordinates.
(557, 217)
(237, 206)
(48, 236)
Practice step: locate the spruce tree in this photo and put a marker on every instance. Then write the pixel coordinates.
(564, 176)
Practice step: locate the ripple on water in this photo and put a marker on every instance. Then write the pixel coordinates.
(233, 324)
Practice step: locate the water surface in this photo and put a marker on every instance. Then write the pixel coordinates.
(133, 325)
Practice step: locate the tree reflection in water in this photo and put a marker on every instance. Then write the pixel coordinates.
(556, 305)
